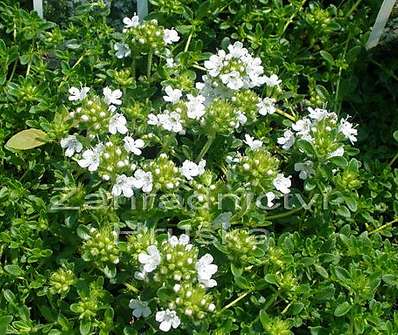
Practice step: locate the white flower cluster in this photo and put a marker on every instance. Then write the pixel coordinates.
(236, 69)
(152, 259)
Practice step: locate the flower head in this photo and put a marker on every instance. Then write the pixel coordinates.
(190, 169)
(206, 270)
(272, 81)
(76, 94)
(117, 123)
(348, 130)
(195, 106)
(150, 259)
(287, 140)
(282, 183)
(173, 95)
(71, 144)
(131, 23)
(133, 146)
(170, 36)
(266, 106)
(122, 50)
(167, 320)
(123, 185)
(140, 308)
(143, 180)
(252, 143)
(112, 97)
(91, 158)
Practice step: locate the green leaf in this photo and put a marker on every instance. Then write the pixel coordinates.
(85, 327)
(264, 319)
(342, 309)
(339, 161)
(395, 135)
(27, 139)
(321, 270)
(13, 269)
(327, 57)
(4, 322)
(306, 147)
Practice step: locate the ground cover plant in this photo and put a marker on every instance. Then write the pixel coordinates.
(197, 172)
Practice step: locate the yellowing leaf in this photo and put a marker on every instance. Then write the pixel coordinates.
(27, 139)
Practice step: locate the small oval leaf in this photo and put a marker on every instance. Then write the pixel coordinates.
(27, 139)
(342, 309)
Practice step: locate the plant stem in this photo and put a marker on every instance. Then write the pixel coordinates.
(393, 160)
(286, 115)
(239, 298)
(292, 17)
(285, 214)
(149, 65)
(353, 8)
(188, 41)
(13, 70)
(206, 147)
(377, 230)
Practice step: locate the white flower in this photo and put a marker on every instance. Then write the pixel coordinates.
(348, 130)
(215, 63)
(91, 158)
(320, 114)
(153, 120)
(252, 143)
(123, 185)
(140, 308)
(195, 106)
(170, 62)
(241, 119)
(131, 23)
(339, 152)
(112, 97)
(71, 144)
(282, 183)
(266, 106)
(287, 140)
(232, 80)
(143, 180)
(183, 240)
(190, 169)
(270, 199)
(167, 320)
(122, 50)
(170, 121)
(303, 129)
(150, 259)
(76, 94)
(170, 36)
(272, 81)
(133, 146)
(117, 123)
(173, 95)
(306, 169)
(206, 270)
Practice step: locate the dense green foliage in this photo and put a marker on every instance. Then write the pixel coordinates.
(70, 251)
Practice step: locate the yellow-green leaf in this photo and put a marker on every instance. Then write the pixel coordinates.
(27, 139)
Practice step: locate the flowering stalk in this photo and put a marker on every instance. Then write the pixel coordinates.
(206, 147)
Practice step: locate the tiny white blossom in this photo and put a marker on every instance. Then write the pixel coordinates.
(143, 180)
(140, 308)
(153, 120)
(252, 143)
(131, 23)
(348, 130)
(76, 94)
(206, 270)
(303, 129)
(173, 95)
(306, 169)
(287, 140)
(117, 123)
(272, 81)
(195, 106)
(282, 183)
(91, 158)
(112, 97)
(170, 62)
(133, 146)
(190, 169)
(170, 36)
(241, 119)
(150, 259)
(123, 185)
(170, 121)
(122, 50)
(270, 199)
(71, 144)
(339, 152)
(182, 240)
(266, 106)
(167, 319)
(320, 114)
